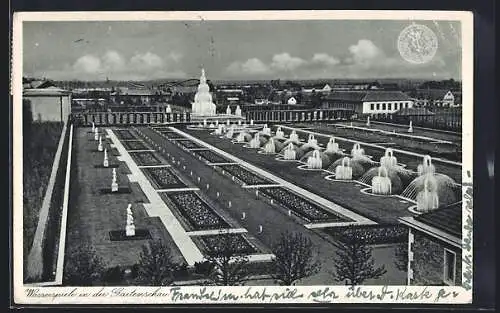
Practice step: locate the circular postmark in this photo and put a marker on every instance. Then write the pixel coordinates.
(417, 44)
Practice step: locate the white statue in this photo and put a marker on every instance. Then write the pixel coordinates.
(106, 161)
(114, 184)
(228, 110)
(99, 147)
(238, 111)
(168, 109)
(96, 134)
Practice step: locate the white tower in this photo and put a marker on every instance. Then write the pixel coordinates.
(203, 104)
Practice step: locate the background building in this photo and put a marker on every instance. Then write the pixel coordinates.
(435, 247)
(371, 102)
(48, 104)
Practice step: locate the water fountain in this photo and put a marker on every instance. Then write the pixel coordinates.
(315, 161)
(426, 167)
(239, 122)
(114, 184)
(357, 151)
(332, 146)
(410, 129)
(251, 122)
(428, 199)
(204, 123)
(230, 132)
(312, 141)
(290, 153)
(228, 110)
(270, 147)
(218, 131)
(238, 111)
(389, 160)
(368, 121)
(211, 126)
(280, 133)
(105, 163)
(344, 170)
(240, 137)
(294, 137)
(266, 130)
(255, 142)
(228, 122)
(93, 127)
(381, 184)
(217, 123)
(99, 147)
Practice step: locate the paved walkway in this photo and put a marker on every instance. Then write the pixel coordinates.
(157, 207)
(371, 145)
(217, 232)
(309, 195)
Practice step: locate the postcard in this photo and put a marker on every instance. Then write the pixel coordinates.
(256, 157)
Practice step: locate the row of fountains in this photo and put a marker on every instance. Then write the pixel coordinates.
(386, 177)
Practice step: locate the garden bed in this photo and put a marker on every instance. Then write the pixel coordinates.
(211, 156)
(145, 158)
(120, 235)
(124, 134)
(245, 176)
(198, 214)
(214, 243)
(369, 234)
(163, 178)
(171, 134)
(134, 145)
(301, 206)
(188, 144)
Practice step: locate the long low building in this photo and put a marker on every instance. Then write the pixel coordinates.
(372, 102)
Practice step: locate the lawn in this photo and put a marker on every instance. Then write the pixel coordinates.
(93, 215)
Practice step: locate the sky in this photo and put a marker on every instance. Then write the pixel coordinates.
(306, 49)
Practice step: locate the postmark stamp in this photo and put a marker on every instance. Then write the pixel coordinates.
(417, 44)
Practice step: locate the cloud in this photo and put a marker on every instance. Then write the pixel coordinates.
(250, 66)
(285, 62)
(112, 64)
(365, 52)
(324, 59)
(88, 64)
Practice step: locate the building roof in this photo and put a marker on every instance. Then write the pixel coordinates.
(447, 219)
(368, 95)
(50, 91)
(429, 94)
(135, 92)
(414, 111)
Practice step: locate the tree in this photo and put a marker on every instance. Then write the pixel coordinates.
(354, 262)
(83, 266)
(228, 261)
(156, 266)
(294, 259)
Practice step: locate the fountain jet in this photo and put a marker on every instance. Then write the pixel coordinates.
(381, 184)
(290, 153)
(389, 160)
(428, 199)
(344, 170)
(332, 146)
(315, 161)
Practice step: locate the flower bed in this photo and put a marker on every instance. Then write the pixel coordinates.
(211, 156)
(303, 207)
(188, 144)
(145, 158)
(215, 243)
(124, 134)
(370, 234)
(171, 135)
(163, 178)
(244, 175)
(196, 211)
(134, 145)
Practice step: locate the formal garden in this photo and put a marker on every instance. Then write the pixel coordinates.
(134, 145)
(210, 156)
(146, 158)
(243, 175)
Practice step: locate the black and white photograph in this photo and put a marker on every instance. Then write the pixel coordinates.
(218, 157)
